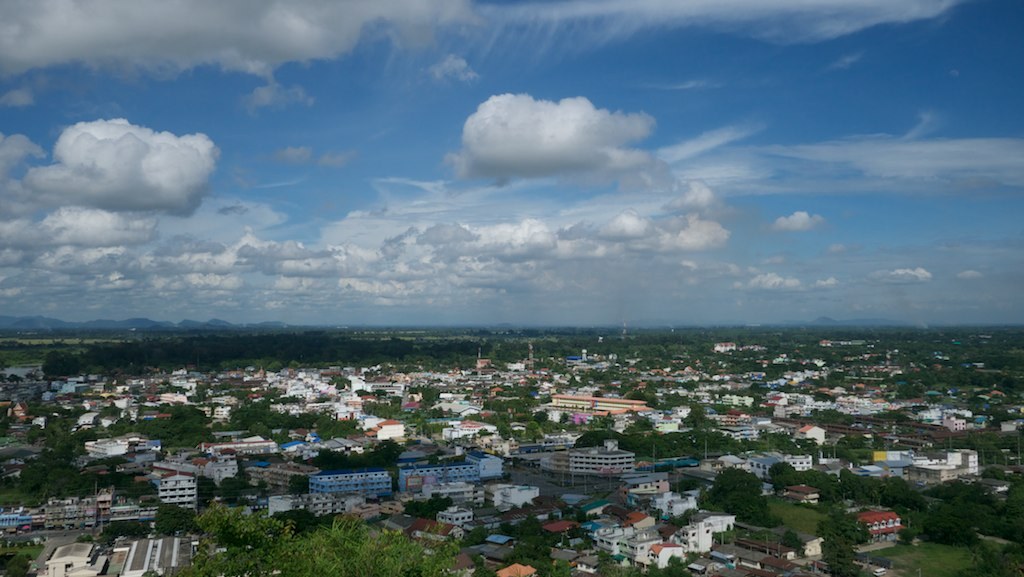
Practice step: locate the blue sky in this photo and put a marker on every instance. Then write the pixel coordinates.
(562, 162)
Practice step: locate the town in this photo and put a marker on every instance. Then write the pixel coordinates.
(728, 452)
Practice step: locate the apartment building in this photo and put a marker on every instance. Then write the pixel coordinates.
(178, 489)
(278, 475)
(605, 460)
(373, 481)
(414, 478)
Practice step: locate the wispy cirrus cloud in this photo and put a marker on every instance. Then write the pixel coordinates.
(786, 21)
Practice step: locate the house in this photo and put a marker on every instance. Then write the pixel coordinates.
(882, 525)
(433, 530)
(661, 553)
(802, 494)
(516, 570)
(387, 430)
(811, 432)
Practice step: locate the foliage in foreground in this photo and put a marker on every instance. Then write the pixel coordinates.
(255, 545)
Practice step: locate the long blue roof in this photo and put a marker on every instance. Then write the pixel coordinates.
(349, 471)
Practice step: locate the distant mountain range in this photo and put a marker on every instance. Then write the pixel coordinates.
(41, 323)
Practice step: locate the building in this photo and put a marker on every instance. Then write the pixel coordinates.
(164, 556)
(388, 430)
(882, 525)
(605, 460)
(506, 497)
(249, 446)
(516, 570)
(319, 504)
(414, 478)
(699, 535)
(459, 493)
(581, 404)
(491, 466)
(279, 475)
(811, 432)
(76, 559)
(455, 515)
(178, 489)
(374, 481)
(466, 430)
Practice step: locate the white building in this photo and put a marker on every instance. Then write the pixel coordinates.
(466, 430)
(699, 535)
(811, 432)
(491, 466)
(178, 489)
(606, 460)
(506, 497)
(673, 504)
(455, 515)
(221, 468)
(459, 492)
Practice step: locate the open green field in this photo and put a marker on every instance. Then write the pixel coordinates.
(932, 559)
(798, 517)
(30, 551)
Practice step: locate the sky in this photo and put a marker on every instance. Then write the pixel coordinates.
(559, 162)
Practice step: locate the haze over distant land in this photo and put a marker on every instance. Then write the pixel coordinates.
(474, 163)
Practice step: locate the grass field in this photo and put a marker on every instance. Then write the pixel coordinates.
(30, 551)
(932, 559)
(801, 518)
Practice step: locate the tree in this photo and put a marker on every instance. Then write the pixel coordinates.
(841, 532)
(18, 565)
(739, 492)
(172, 519)
(259, 546)
(793, 541)
(298, 484)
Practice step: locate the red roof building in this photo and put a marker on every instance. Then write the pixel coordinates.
(882, 525)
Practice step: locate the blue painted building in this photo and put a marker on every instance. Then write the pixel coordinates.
(415, 477)
(371, 482)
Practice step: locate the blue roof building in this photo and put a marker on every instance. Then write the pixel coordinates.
(372, 482)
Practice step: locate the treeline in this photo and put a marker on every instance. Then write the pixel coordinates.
(213, 352)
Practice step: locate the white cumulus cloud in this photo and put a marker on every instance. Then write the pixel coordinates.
(968, 274)
(797, 222)
(626, 225)
(902, 275)
(93, 227)
(455, 68)
(829, 282)
(515, 135)
(254, 36)
(773, 281)
(115, 165)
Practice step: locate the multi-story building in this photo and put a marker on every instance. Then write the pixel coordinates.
(72, 513)
(319, 504)
(882, 525)
(178, 489)
(278, 475)
(459, 493)
(455, 515)
(582, 404)
(491, 466)
(606, 460)
(414, 478)
(374, 481)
